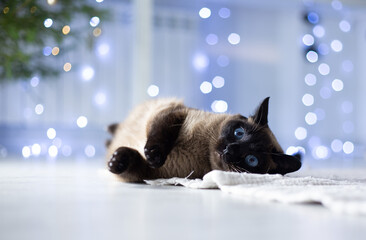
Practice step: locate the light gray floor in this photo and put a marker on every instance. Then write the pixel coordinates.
(80, 200)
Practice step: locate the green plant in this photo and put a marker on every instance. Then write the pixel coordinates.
(24, 34)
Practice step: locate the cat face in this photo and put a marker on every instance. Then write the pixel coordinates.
(248, 145)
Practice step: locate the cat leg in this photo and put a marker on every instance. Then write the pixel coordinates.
(129, 165)
(162, 135)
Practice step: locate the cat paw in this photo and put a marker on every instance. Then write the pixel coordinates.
(119, 161)
(154, 156)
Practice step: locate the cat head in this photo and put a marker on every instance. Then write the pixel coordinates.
(248, 145)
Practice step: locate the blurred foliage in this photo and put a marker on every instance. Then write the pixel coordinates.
(23, 35)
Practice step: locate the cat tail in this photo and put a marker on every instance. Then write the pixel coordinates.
(298, 155)
(112, 130)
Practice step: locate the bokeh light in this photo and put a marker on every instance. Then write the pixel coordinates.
(67, 67)
(212, 39)
(223, 61)
(89, 151)
(200, 61)
(325, 92)
(47, 51)
(51, 2)
(48, 22)
(321, 152)
(87, 73)
(36, 149)
(337, 5)
(218, 82)
(345, 26)
(318, 31)
(291, 150)
(55, 51)
(103, 49)
(100, 98)
(82, 121)
(337, 85)
(234, 38)
(51, 133)
(308, 40)
(26, 152)
(39, 109)
(324, 69)
(312, 56)
(348, 147)
(336, 45)
(97, 32)
(206, 87)
(336, 145)
(311, 118)
(66, 29)
(219, 106)
(6, 10)
(308, 99)
(310, 79)
(205, 13)
(313, 17)
(94, 21)
(34, 81)
(52, 151)
(224, 13)
(153, 90)
(301, 133)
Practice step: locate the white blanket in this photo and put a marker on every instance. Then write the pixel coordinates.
(337, 195)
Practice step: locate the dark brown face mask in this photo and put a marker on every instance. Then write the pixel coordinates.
(246, 145)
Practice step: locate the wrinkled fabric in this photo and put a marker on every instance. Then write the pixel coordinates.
(343, 196)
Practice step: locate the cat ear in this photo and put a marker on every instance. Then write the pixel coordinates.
(261, 114)
(286, 163)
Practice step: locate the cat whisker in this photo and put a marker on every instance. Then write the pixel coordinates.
(234, 169)
(242, 169)
(189, 174)
(238, 169)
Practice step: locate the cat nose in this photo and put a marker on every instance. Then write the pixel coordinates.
(231, 149)
(230, 153)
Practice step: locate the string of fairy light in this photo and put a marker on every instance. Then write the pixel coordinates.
(317, 48)
(56, 146)
(200, 60)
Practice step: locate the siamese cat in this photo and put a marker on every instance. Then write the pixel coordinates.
(163, 139)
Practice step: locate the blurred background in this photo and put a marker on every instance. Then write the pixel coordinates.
(88, 65)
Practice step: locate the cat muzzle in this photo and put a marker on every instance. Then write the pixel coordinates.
(231, 153)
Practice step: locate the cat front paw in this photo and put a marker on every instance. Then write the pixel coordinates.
(119, 160)
(154, 156)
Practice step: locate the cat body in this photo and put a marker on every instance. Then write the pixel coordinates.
(163, 138)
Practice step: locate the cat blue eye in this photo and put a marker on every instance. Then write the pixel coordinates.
(251, 160)
(239, 133)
